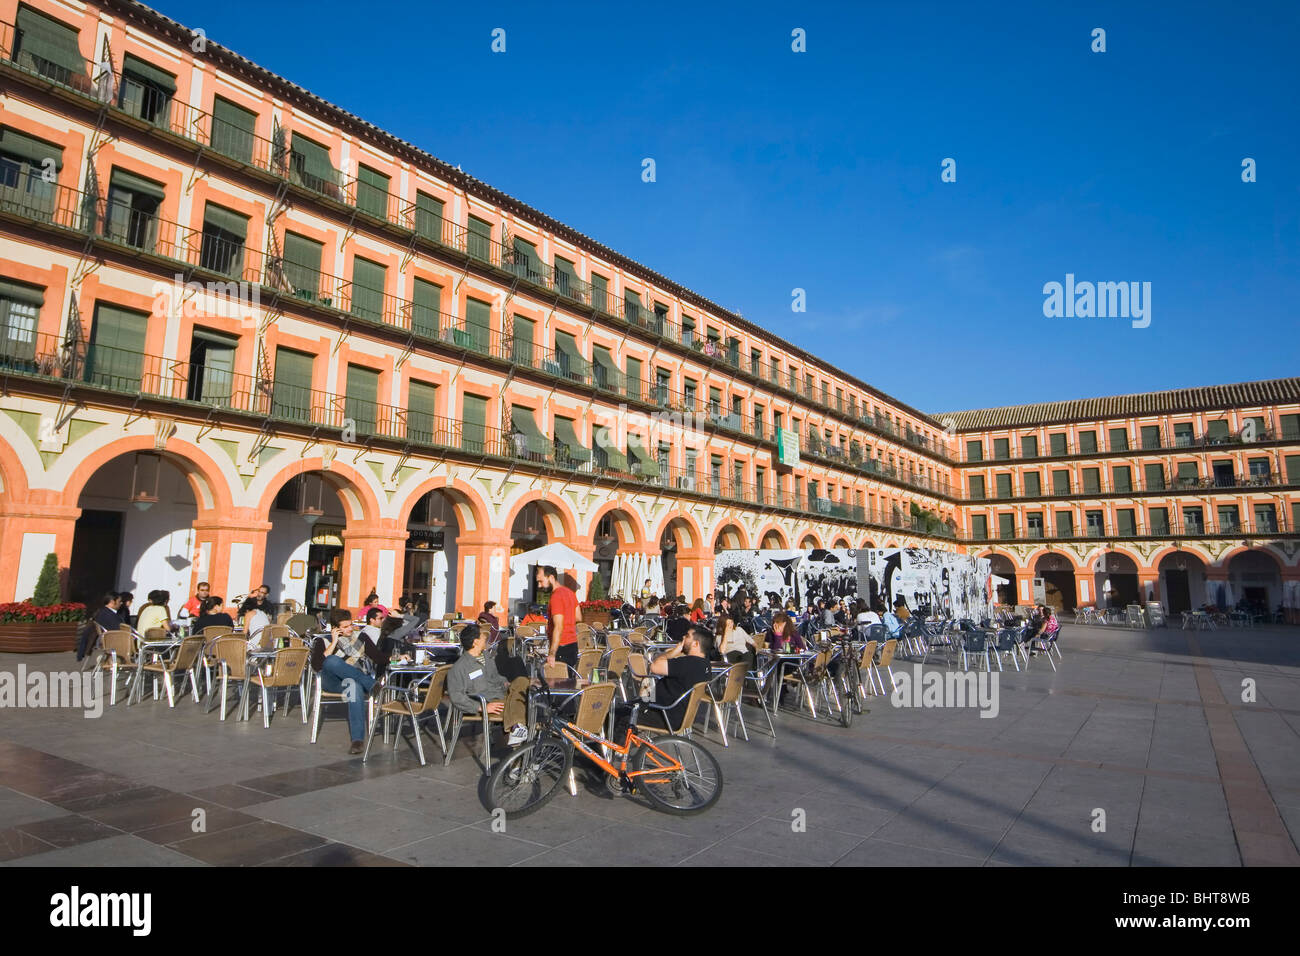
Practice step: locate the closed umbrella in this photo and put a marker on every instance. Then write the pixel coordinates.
(657, 574)
(1211, 592)
(1228, 600)
(613, 574)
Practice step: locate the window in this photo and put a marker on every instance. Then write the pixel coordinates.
(1153, 477)
(372, 192)
(974, 450)
(1095, 523)
(979, 527)
(1121, 478)
(1265, 519)
(1004, 485)
(688, 394)
(1290, 425)
(1065, 524)
(758, 421)
(1057, 444)
(1183, 436)
(632, 307)
(1259, 469)
(760, 485)
(1126, 522)
(131, 215)
(775, 374)
(1150, 437)
(1029, 446)
(362, 401)
(1088, 442)
(566, 279)
(422, 414)
(755, 362)
(1229, 519)
(600, 292)
(634, 378)
(1159, 520)
(604, 371)
(1188, 474)
(663, 387)
(310, 166)
(369, 280)
(429, 216)
(661, 318)
(146, 91)
(473, 431)
(1117, 438)
(302, 258)
(1033, 484)
(224, 235)
(526, 264)
(1060, 482)
(20, 307)
(49, 47)
(478, 241)
(1254, 429)
(478, 325)
(976, 486)
(212, 367)
(572, 365)
(232, 130)
(426, 309)
(1002, 448)
(1006, 526)
(688, 330)
(23, 161)
(1224, 476)
(1293, 469)
(1091, 481)
(1034, 524)
(116, 354)
(291, 391)
(1194, 521)
(1217, 432)
(715, 402)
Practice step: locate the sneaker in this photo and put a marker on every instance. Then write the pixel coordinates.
(518, 734)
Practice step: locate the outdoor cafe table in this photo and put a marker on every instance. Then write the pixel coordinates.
(784, 660)
(158, 649)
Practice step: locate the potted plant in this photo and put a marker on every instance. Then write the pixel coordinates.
(596, 612)
(42, 623)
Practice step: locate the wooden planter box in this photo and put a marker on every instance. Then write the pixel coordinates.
(38, 638)
(595, 618)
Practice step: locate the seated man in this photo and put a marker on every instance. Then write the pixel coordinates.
(678, 671)
(475, 675)
(893, 623)
(340, 661)
(677, 625)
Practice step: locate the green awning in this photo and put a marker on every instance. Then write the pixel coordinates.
(17, 292)
(565, 433)
(134, 66)
(524, 420)
(637, 450)
(315, 159)
(122, 179)
(614, 456)
(34, 151)
(606, 361)
(226, 220)
(45, 38)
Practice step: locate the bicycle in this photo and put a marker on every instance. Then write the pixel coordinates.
(674, 773)
(850, 680)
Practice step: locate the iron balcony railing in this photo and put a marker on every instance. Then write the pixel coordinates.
(1136, 485)
(1179, 442)
(1261, 523)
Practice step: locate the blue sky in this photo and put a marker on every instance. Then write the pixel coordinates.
(821, 170)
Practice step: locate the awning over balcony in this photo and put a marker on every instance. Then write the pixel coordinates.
(649, 464)
(35, 151)
(47, 39)
(534, 440)
(614, 456)
(565, 433)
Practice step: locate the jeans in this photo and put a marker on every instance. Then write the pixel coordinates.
(339, 677)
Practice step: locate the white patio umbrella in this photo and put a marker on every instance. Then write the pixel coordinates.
(1228, 599)
(638, 572)
(1211, 592)
(657, 574)
(617, 566)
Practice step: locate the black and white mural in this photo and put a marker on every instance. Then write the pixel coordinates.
(947, 583)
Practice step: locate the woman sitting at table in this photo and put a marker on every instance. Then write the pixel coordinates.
(733, 642)
(784, 637)
(698, 613)
(155, 613)
(212, 615)
(253, 619)
(492, 617)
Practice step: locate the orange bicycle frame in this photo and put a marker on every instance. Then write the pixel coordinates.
(579, 737)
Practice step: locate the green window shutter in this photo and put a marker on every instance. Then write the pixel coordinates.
(426, 301)
(979, 527)
(115, 358)
(1029, 446)
(133, 66)
(362, 398)
(1057, 443)
(47, 46)
(473, 436)
(1217, 430)
(123, 180)
(645, 462)
(1187, 471)
(18, 292)
(1150, 436)
(421, 413)
(1033, 484)
(572, 365)
(1087, 442)
(567, 434)
(29, 149)
(632, 306)
(521, 344)
(302, 258)
(428, 216)
(1293, 469)
(615, 459)
(1127, 521)
(1006, 526)
(1118, 439)
(232, 130)
(478, 324)
(1065, 524)
(479, 239)
(311, 161)
(226, 220)
(1159, 520)
(529, 440)
(1060, 482)
(369, 280)
(225, 233)
(1004, 486)
(600, 293)
(634, 389)
(977, 486)
(974, 451)
(527, 264)
(1092, 480)
(607, 375)
(291, 397)
(1001, 448)
(1290, 425)
(372, 192)
(1121, 478)
(1153, 477)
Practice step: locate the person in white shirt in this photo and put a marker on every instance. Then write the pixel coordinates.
(374, 621)
(155, 613)
(734, 643)
(254, 620)
(867, 615)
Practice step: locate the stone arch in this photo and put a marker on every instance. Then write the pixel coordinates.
(561, 523)
(359, 500)
(809, 539)
(629, 528)
(730, 536)
(780, 541)
(208, 483)
(472, 512)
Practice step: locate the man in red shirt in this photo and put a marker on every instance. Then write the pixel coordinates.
(564, 619)
(194, 606)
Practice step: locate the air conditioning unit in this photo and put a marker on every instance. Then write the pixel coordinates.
(686, 483)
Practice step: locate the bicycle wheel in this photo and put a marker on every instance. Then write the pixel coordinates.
(692, 789)
(847, 701)
(529, 777)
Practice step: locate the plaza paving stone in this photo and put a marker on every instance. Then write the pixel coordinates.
(1149, 727)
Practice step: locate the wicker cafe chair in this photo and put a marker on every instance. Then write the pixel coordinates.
(210, 662)
(886, 659)
(867, 668)
(616, 665)
(185, 662)
(615, 641)
(594, 707)
(733, 684)
(660, 711)
(119, 659)
(421, 699)
(231, 653)
(588, 661)
(283, 674)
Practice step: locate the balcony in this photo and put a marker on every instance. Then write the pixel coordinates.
(1250, 526)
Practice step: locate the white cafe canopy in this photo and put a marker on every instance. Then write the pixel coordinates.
(559, 556)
